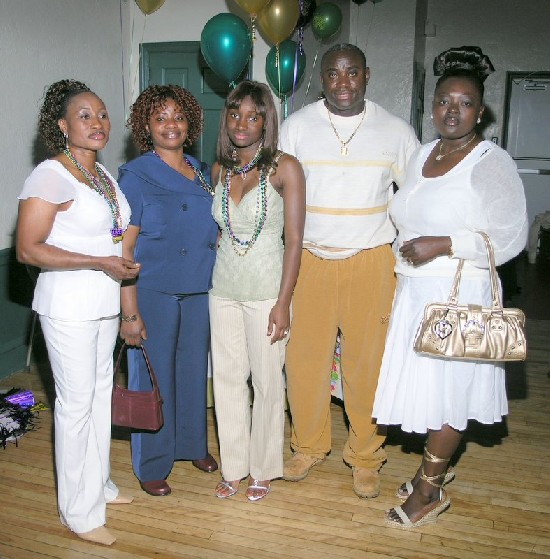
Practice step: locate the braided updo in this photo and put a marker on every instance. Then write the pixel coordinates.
(466, 61)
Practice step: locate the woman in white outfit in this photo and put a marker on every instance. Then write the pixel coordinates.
(455, 186)
(72, 216)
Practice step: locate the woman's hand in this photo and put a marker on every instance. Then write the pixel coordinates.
(423, 249)
(119, 268)
(278, 324)
(133, 332)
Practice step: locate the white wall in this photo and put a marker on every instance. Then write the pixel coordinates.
(386, 33)
(42, 42)
(514, 34)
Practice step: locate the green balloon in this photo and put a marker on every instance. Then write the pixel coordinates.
(327, 20)
(290, 66)
(226, 45)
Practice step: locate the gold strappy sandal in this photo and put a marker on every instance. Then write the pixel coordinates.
(406, 488)
(433, 509)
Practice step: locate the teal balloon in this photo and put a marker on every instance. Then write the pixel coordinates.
(226, 45)
(327, 20)
(290, 67)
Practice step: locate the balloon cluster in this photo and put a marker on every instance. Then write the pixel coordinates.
(226, 41)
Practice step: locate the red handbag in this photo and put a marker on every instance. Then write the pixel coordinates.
(136, 409)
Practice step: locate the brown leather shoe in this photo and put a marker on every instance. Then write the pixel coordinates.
(366, 482)
(156, 488)
(207, 464)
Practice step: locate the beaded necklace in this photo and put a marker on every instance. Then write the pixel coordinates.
(239, 246)
(251, 164)
(105, 188)
(205, 185)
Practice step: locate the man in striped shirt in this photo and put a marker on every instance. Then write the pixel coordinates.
(353, 152)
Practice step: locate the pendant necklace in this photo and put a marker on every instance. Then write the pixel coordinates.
(205, 185)
(105, 188)
(241, 247)
(344, 143)
(440, 156)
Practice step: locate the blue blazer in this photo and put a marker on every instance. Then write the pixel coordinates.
(177, 242)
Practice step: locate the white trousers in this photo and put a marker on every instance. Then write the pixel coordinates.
(250, 443)
(81, 357)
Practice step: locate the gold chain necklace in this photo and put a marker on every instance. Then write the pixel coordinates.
(344, 143)
(442, 155)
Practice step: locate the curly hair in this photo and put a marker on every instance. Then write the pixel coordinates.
(153, 98)
(54, 107)
(265, 107)
(465, 61)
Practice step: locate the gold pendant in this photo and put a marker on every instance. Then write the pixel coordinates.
(344, 150)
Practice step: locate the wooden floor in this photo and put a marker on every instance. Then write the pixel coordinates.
(500, 498)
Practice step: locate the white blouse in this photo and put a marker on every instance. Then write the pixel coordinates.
(482, 192)
(76, 295)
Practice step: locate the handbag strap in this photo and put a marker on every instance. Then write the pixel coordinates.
(497, 303)
(152, 375)
(453, 295)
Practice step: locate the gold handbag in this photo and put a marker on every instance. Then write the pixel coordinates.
(472, 332)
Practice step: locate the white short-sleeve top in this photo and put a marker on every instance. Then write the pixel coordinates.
(76, 295)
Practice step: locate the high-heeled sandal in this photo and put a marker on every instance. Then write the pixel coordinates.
(431, 515)
(257, 490)
(434, 509)
(406, 488)
(226, 489)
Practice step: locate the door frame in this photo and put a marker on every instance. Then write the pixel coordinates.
(513, 77)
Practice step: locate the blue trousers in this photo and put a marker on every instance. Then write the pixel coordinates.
(178, 340)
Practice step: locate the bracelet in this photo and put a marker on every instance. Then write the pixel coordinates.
(129, 318)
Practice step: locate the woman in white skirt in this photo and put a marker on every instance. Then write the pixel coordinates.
(456, 186)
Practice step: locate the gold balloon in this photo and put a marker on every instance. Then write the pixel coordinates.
(278, 19)
(149, 6)
(252, 7)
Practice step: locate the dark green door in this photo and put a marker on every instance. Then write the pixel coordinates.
(182, 64)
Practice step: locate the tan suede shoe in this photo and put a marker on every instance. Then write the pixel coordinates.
(366, 483)
(297, 467)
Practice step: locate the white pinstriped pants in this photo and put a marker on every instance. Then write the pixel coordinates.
(81, 357)
(250, 443)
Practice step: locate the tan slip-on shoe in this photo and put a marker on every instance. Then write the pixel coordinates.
(297, 467)
(366, 482)
(121, 499)
(98, 535)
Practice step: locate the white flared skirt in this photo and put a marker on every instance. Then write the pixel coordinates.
(421, 393)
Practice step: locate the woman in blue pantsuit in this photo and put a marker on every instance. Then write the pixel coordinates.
(172, 234)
